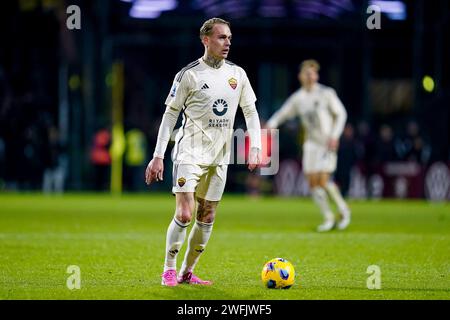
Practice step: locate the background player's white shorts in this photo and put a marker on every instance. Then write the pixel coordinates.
(318, 158)
(208, 182)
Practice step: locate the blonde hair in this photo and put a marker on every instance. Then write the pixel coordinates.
(206, 29)
(310, 63)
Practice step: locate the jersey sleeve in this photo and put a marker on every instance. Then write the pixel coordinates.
(179, 91)
(253, 125)
(248, 97)
(338, 110)
(174, 104)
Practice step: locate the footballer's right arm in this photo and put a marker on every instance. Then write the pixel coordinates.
(174, 103)
(155, 167)
(286, 112)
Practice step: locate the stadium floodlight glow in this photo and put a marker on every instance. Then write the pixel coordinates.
(316, 9)
(151, 9)
(394, 10)
(272, 11)
(428, 83)
(144, 14)
(232, 8)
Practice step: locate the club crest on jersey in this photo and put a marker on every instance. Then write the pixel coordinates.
(233, 83)
(181, 181)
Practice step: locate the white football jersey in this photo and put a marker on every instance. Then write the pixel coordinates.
(320, 110)
(208, 99)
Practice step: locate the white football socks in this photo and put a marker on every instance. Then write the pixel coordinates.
(176, 233)
(335, 194)
(321, 199)
(198, 238)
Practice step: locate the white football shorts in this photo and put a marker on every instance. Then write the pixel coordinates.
(318, 158)
(208, 182)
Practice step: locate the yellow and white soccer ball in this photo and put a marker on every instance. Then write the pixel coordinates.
(278, 273)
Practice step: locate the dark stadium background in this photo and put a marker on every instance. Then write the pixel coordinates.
(58, 88)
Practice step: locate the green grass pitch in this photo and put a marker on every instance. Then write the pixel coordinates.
(118, 243)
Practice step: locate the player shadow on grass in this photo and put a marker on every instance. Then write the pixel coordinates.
(194, 292)
(383, 290)
(333, 230)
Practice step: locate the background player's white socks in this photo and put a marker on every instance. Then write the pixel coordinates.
(198, 238)
(335, 194)
(321, 199)
(176, 233)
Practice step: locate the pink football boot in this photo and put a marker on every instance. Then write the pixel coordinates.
(191, 278)
(169, 278)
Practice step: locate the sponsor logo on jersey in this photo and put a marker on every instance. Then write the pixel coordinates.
(173, 90)
(181, 181)
(220, 107)
(233, 83)
(205, 86)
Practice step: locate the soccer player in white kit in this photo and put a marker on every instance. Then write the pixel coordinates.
(323, 117)
(207, 92)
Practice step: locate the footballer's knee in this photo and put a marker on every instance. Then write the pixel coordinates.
(184, 214)
(185, 207)
(206, 211)
(321, 184)
(323, 180)
(312, 181)
(208, 217)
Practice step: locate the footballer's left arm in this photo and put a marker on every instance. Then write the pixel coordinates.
(254, 131)
(338, 110)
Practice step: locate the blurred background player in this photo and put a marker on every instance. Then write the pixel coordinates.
(323, 117)
(208, 91)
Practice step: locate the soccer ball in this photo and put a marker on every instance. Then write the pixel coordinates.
(278, 273)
